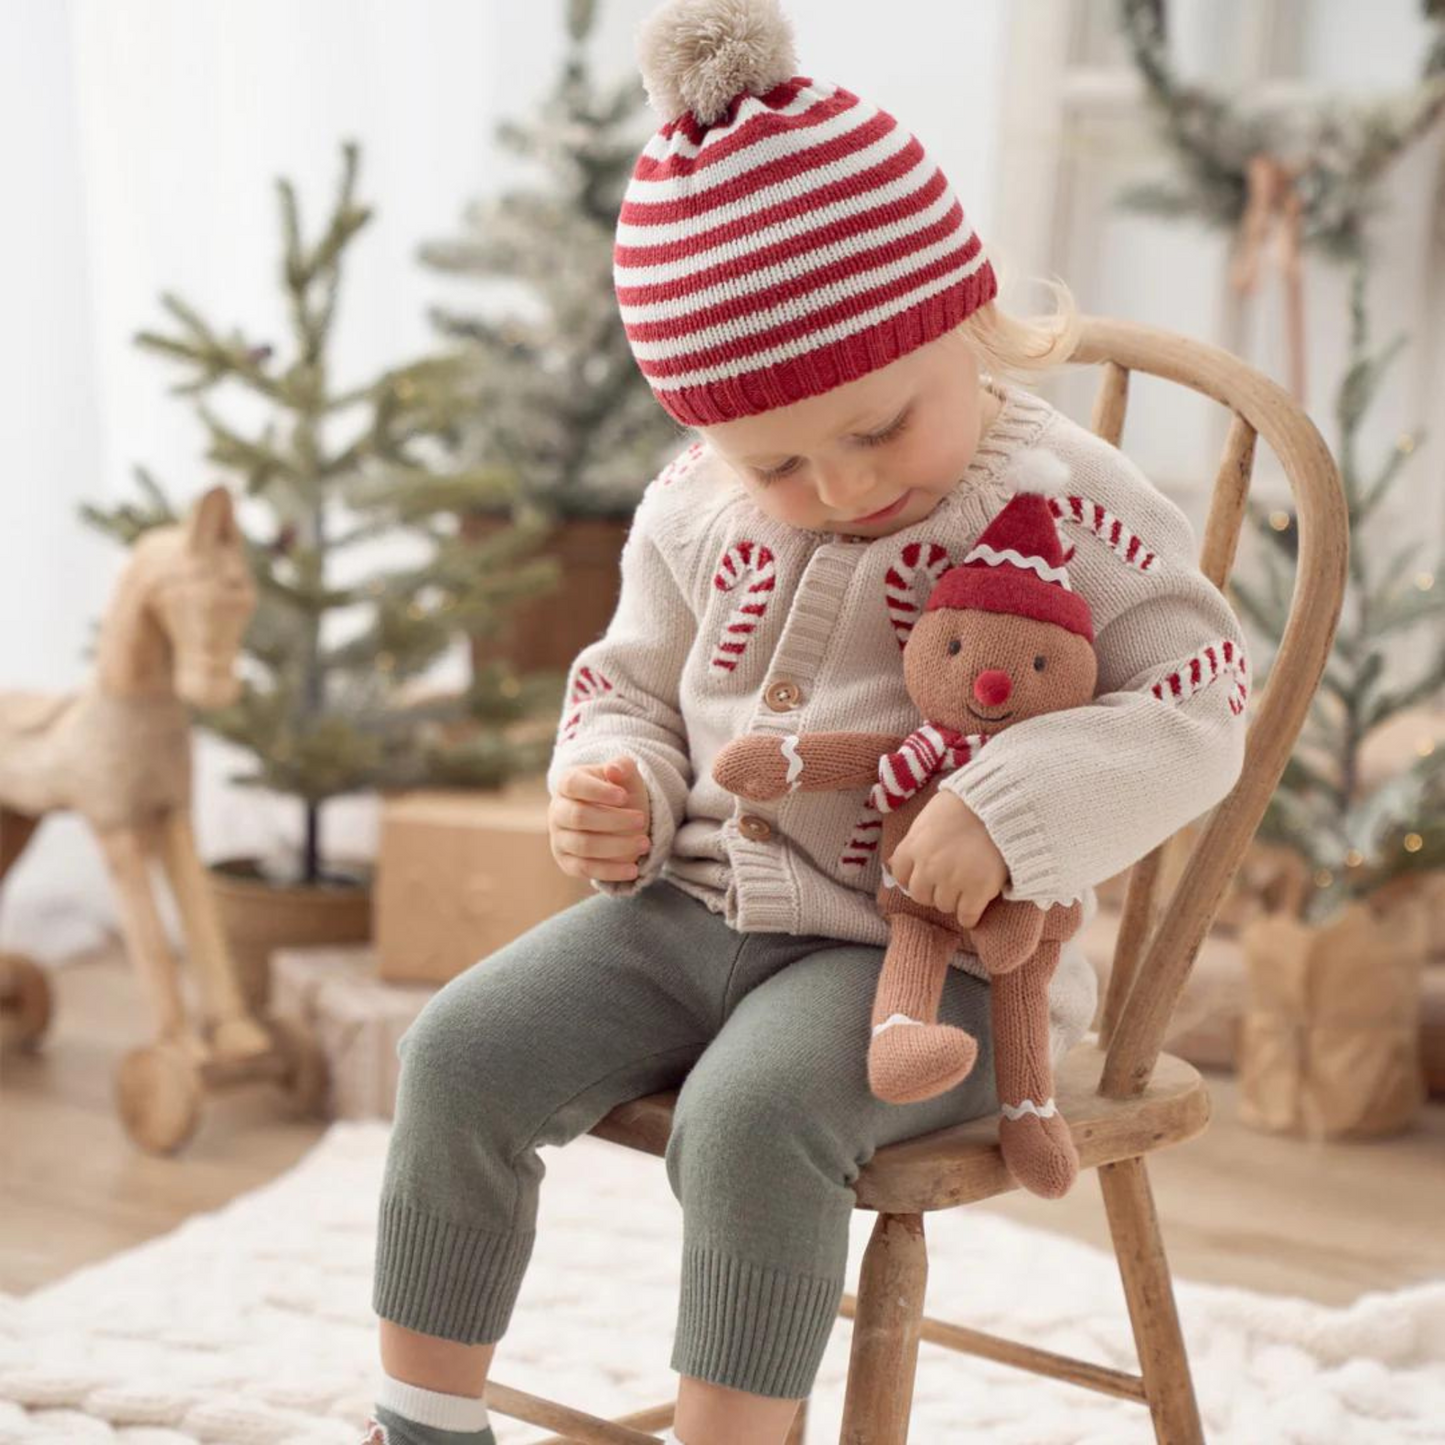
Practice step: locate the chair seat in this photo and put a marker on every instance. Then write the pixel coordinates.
(963, 1163)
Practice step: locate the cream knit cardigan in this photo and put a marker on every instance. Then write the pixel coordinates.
(731, 622)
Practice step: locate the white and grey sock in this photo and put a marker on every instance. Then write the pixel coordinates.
(409, 1415)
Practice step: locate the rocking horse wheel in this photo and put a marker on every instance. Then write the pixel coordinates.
(308, 1076)
(158, 1095)
(25, 1004)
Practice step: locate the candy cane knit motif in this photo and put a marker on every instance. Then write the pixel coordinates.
(904, 605)
(1204, 667)
(1107, 528)
(863, 841)
(754, 561)
(680, 465)
(589, 685)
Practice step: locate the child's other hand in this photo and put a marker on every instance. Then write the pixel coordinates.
(599, 820)
(948, 861)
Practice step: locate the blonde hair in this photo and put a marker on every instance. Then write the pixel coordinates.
(1016, 348)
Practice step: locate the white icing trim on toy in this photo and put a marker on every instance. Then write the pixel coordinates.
(983, 552)
(892, 1021)
(1029, 1107)
(889, 881)
(795, 761)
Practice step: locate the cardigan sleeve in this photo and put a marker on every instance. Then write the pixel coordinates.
(1073, 797)
(622, 692)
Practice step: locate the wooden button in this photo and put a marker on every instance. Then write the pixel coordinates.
(783, 695)
(754, 827)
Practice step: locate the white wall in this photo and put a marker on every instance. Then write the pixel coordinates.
(1083, 132)
(142, 140)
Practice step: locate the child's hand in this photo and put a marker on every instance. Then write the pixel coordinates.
(947, 860)
(599, 820)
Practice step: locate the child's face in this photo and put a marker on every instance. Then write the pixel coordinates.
(812, 465)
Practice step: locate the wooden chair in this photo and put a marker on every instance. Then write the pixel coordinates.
(1123, 1098)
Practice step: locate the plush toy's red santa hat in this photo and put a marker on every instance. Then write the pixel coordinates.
(1017, 565)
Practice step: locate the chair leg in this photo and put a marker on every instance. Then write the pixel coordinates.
(887, 1325)
(1164, 1365)
(799, 1430)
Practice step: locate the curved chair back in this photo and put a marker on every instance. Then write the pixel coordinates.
(1152, 962)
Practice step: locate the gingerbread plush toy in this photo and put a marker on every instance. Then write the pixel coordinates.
(1003, 638)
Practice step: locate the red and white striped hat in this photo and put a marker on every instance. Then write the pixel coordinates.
(779, 236)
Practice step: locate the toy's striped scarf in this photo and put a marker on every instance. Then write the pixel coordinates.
(927, 750)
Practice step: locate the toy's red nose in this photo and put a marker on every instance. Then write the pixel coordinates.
(992, 687)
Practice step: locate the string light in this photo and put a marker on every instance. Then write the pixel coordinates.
(1323, 878)
(1413, 842)
(1354, 858)
(1279, 521)
(1424, 580)
(1406, 444)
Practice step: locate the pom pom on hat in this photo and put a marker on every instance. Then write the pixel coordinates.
(696, 55)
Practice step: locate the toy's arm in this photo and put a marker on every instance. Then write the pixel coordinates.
(763, 766)
(1007, 934)
(1063, 920)
(1010, 931)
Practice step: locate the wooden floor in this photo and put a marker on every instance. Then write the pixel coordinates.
(1328, 1222)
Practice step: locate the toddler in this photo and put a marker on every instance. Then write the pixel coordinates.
(800, 286)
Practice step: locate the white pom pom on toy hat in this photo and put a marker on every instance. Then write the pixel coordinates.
(698, 55)
(1039, 471)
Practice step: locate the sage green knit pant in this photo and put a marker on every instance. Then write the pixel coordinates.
(767, 1033)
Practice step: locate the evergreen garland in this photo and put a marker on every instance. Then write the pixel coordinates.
(1339, 150)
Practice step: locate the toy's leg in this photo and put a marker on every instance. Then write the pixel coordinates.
(145, 936)
(1034, 1136)
(235, 1033)
(912, 1056)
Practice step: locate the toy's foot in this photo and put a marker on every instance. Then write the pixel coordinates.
(1038, 1148)
(909, 1060)
(240, 1038)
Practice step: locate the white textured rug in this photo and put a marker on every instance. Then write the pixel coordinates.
(253, 1324)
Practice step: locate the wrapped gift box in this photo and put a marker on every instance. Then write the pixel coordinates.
(1330, 1044)
(1206, 1026)
(459, 874)
(356, 1016)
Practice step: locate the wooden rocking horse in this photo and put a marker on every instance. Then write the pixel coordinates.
(119, 753)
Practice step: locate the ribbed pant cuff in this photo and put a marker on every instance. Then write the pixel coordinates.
(751, 1328)
(445, 1279)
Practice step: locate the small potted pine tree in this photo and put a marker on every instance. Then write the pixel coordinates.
(558, 397)
(1331, 1038)
(332, 700)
